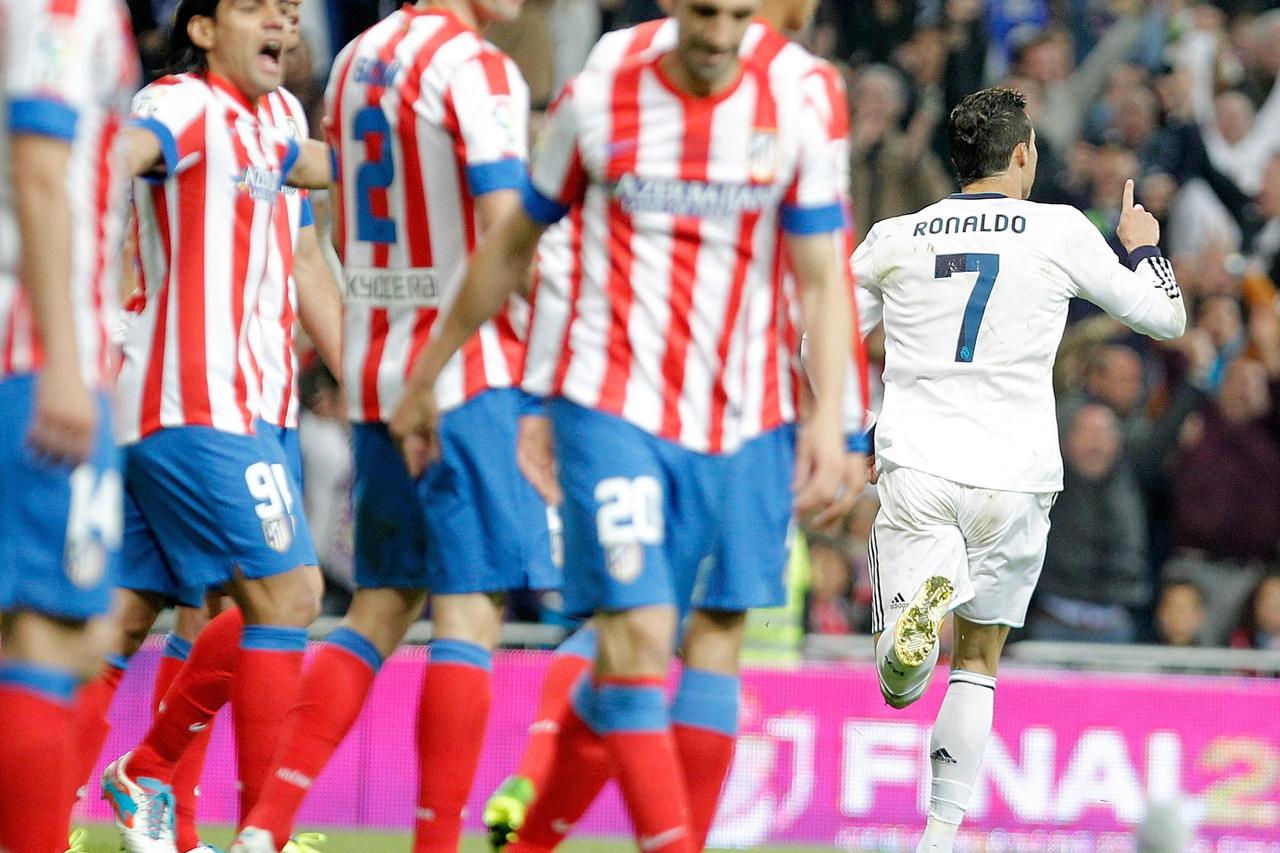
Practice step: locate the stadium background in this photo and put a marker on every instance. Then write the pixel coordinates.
(1165, 542)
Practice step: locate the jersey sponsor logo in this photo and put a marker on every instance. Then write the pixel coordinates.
(702, 199)
(258, 183)
(982, 223)
(409, 288)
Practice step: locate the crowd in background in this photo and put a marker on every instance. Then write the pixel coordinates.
(1168, 527)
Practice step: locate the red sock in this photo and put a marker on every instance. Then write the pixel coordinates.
(186, 781)
(89, 721)
(262, 693)
(579, 769)
(631, 713)
(36, 739)
(328, 704)
(565, 670)
(451, 719)
(166, 672)
(202, 686)
(705, 758)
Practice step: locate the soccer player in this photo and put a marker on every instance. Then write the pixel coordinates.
(708, 689)
(682, 228)
(428, 123)
(66, 72)
(209, 500)
(973, 292)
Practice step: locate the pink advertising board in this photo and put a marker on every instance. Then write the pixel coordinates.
(1074, 760)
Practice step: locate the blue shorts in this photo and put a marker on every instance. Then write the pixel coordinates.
(148, 568)
(472, 522)
(60, 528)
(748, 567)
(212, 504)
(287, 437)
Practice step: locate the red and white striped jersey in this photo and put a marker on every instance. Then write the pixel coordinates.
(686, 199)
(276, 316)
(204, 238)
(67, 70)
(424, 116)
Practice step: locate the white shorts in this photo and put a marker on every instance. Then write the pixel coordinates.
(989, 543)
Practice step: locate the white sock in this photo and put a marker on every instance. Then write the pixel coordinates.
(905, 683)
(959, 740)
(939, 837)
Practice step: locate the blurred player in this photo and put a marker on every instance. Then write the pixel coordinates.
(973, 292)
(682, 228)
(709, 687)
(209, 500)
(66, 71)
(429, 126)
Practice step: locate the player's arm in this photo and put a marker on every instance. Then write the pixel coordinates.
(65, 418)
(1145, 298)
(319, 299)
(313, 168)
(827, 316)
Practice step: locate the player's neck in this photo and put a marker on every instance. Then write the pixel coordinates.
(686, 81)
(460, 9)
(1006, 184)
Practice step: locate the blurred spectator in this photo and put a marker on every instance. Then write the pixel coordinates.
(1095, 565)
(829, 605)
(1115, 378)
(1180, 614)
(326, 488)
(863, 31)
(616, 14)
(890, 173)
(1259, 626)
(1226, 492)
(527, 40)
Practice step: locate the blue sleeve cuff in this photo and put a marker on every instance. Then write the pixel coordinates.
(812, 220)
(1140, 254)
(290, 158)
(540, 208)
(307, 216)
(485, 178)
(858, 442)
(528, 404)
(168, 145)
(42, 117)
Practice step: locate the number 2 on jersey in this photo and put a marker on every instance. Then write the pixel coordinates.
(373, 175)
(987, 267)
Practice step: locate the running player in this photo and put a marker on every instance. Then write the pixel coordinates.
(428, 122)
(973, 291)
(190, 390)
(708, 688)
(645, 437)
(66, 71)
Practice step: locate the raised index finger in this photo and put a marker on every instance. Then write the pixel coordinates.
(1126, 201)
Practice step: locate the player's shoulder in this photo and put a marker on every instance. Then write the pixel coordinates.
(617, 46)
(287, 108)
(189, 91)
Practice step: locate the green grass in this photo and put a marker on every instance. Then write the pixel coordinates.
(103, 839)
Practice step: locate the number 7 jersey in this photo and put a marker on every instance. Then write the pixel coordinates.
(423, 116)
(973, 291)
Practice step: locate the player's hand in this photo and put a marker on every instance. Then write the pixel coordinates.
(66, 419)
(535, 454)
(820, 468)
(852, 482)
(1137, 227)
(415, 429)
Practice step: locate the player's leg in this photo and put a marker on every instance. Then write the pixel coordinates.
(961, 730)
(919, 572)
(60, 531)
(390, 544)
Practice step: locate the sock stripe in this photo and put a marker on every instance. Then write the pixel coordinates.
(119, 662)
(57, 685)
(977, 679)
(707, 700)
(630, 708)
(176, 647)
(273, 638)
(581, 643)
(357, 644)
(448, 650)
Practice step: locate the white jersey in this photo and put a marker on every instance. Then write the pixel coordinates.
(973, 291)
(276, 318)
(67, 69)
(424, 116)
(714, 377)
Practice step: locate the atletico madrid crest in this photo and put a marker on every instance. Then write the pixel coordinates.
(278, 533)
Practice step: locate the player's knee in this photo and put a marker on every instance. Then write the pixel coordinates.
(713, 641)
(637, 641)
(473, 617)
